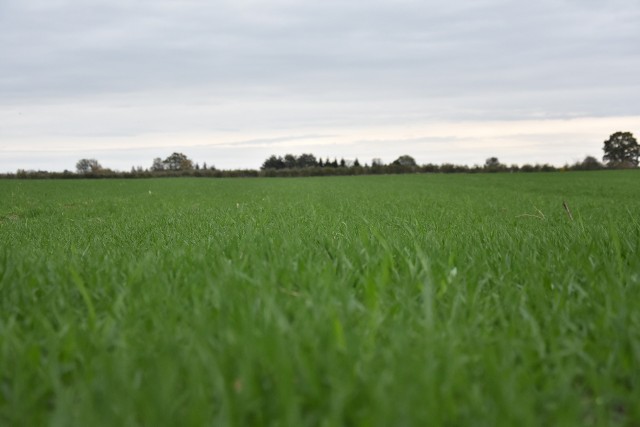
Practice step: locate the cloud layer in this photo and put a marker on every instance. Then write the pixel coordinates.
(104, 74)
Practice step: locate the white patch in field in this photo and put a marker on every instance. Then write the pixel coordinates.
(452, 274)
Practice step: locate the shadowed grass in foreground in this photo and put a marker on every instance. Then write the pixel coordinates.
(384, 300)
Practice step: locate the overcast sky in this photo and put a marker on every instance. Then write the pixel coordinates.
(232, 82)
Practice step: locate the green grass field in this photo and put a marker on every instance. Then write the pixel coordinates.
(375, 301)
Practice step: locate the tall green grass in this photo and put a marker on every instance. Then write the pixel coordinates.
(378, 300)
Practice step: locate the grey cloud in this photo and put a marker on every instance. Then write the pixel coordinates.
(90, 69)
(349, 48)
(268, 142)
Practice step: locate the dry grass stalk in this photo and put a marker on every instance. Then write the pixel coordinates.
(566, 208)
(540, 216)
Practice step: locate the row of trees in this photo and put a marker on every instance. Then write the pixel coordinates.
(175, 162)
(291, 161)
(375, 169)
(491, 165)
(621, 150)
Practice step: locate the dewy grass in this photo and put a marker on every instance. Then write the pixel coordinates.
(378, 300)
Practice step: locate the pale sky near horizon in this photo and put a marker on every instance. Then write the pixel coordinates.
(231, 82)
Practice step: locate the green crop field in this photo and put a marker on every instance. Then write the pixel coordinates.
(377, 301)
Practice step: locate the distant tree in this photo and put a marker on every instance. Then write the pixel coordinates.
(204, 166)
(404, 161)
(320, 163)
(377, 162)
(157, 165)
(334, 163)
(306, 161)
(88, 165)
(356, 163)
(590, 163)
(273, 162)
(447, 168)
(197, 166)
(430, 168)
(343, 163)
(492, 163)
(178, 162)
(621, 149)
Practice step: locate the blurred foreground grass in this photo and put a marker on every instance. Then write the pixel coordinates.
(378, 300)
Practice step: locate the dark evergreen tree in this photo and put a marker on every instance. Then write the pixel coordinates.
(306, 160)
(290, 161)
(273, 162)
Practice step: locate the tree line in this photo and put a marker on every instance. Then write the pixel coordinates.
(621, 150)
